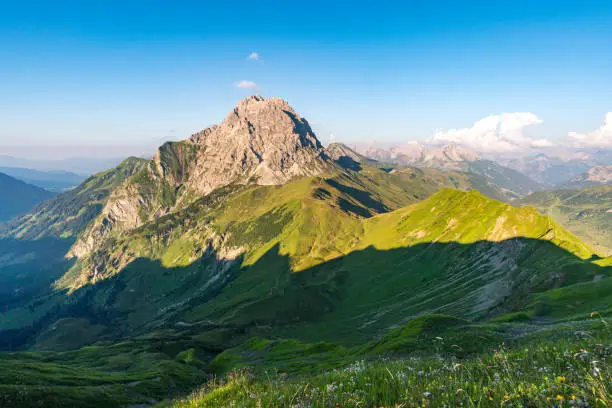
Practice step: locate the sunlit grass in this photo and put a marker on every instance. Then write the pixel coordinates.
(564, 373)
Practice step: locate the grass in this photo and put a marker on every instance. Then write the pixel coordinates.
(105, 375)
(545, 373)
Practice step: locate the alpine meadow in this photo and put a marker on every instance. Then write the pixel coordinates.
(386, 254)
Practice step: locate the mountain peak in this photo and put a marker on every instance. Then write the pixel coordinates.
(261, 138)
(255, 103)
(456, 152)
(262, 141)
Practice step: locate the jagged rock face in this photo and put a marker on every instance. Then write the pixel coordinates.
(262, 141)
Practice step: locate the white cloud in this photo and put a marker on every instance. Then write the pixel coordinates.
(495, 133)
(599, 138)
(244, 84)
(254, 56)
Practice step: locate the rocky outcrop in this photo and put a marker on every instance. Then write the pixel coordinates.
(263, 140)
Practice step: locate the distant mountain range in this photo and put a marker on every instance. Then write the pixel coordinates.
(557, 170)
(454, 157)
(83, 166)
(19, 197)
(55, 181)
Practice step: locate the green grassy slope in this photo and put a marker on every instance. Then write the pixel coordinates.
(347, 265)
(266, 262)
(542, 371)
(586, 213)
(187, 240)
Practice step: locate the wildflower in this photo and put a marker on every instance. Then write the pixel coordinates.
(560, 397)
(561, 380)
(331, 388)
(427, 394)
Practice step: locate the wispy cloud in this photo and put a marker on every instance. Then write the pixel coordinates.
(244, 84)
(599, 138)
(495, 133)
(254, 56)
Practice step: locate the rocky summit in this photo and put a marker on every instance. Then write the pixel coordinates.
(263, 140)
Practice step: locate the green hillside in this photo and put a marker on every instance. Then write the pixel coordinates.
(19, 197)
(33, 247)
(322, 270)
(230, 261)
(586, 213)
(513, 183)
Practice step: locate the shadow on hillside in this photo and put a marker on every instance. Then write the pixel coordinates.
(144, 296)
(27, 268)
(361, 196)
(348, 163)
(350, 299)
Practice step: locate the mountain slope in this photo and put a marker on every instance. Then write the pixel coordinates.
(68, 214)
(593, 177)
(152, 276)
(586, 212)
(347, 193)
(19, 197)
(457, 253)
(347, 157)
(262, 141)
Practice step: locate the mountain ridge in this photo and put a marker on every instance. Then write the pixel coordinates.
(19, 197)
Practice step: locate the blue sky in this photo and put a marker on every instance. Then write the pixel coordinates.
(123, 73)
